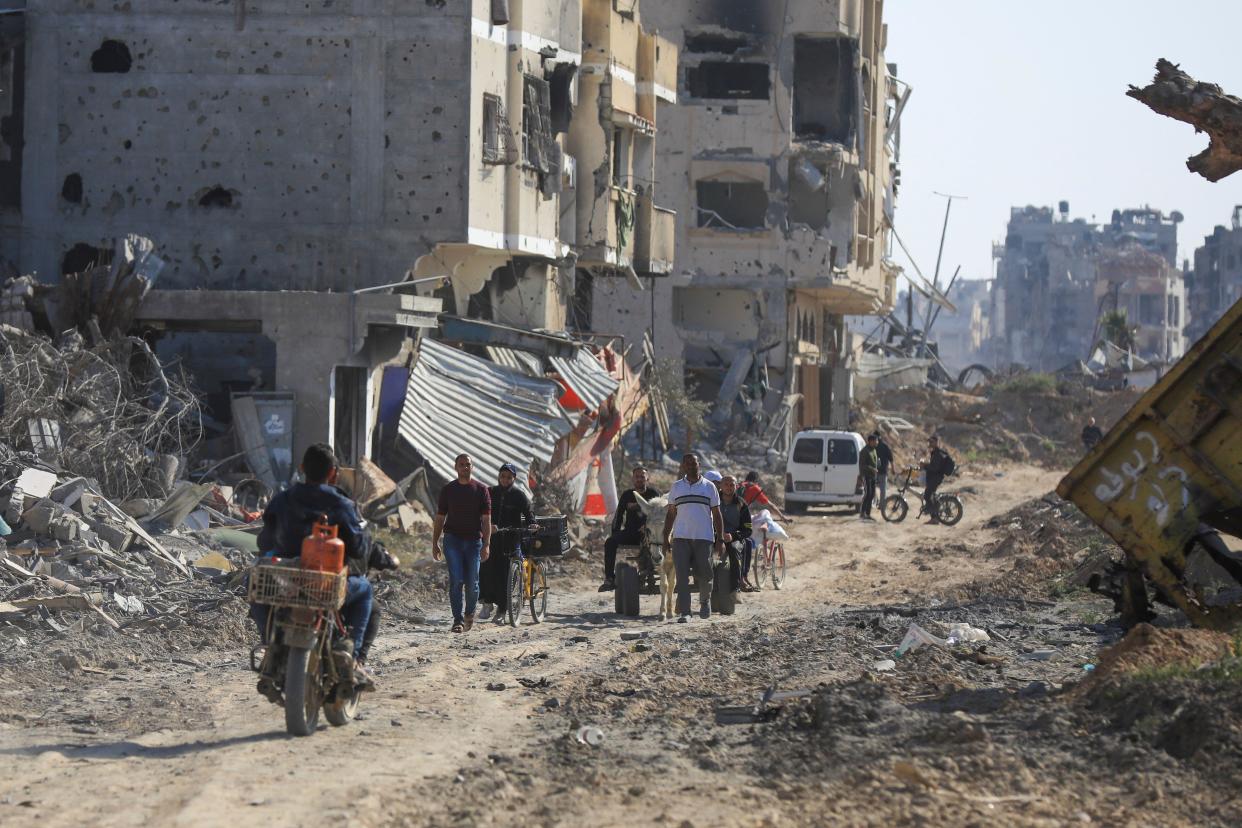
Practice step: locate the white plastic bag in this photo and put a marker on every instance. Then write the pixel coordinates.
(966, 634)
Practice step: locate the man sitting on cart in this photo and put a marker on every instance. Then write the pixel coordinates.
(627, 524)
(735, 516)
(510, 510)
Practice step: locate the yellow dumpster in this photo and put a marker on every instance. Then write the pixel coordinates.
(1173, 467)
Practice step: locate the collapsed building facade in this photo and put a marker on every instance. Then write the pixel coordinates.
(780, 159)
(291, 164)
(1214, 284)
(1057, 279)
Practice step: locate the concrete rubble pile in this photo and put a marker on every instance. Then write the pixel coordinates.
(71, 557)
(95, 526)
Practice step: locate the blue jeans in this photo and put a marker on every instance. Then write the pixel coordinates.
(462, 556)
(355, 612)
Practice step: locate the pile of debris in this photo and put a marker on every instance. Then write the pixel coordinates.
(107, 411)
(70, 558)
(1040, 426)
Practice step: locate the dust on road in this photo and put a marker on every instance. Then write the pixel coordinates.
(481, 728)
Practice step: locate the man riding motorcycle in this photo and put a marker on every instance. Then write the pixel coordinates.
(288, 520)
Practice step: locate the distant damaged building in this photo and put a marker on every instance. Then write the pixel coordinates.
(779, 158)
(1057, 279)
(1215, 282)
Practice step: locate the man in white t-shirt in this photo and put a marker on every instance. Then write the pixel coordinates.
(692, 528)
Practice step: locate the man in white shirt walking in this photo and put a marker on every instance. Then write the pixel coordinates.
(692, 528)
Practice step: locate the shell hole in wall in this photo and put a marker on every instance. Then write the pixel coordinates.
(71, 189)
(83, 256)
(217, 196)
(111, 56)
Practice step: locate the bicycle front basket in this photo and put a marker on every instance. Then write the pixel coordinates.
(291, 586)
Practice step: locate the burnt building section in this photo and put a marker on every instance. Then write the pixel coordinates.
(1064, 284)
(1215, 282)
(781, 157)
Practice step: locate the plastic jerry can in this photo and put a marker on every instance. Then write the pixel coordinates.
(322, 549)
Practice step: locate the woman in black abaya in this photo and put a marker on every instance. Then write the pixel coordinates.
(510, 509)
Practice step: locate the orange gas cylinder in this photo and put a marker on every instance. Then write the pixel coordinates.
(322, 549)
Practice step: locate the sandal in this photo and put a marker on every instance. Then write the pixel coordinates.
(458, 627)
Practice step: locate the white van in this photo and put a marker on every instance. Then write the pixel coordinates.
(823, 469)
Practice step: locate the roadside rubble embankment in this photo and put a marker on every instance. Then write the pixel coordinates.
(1042, 427)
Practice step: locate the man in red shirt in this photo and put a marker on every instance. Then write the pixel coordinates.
(752, 493)
(464, 519)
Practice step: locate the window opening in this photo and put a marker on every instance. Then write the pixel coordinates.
(729, 79)
(731, 205)
(824, 88)
(497, 142)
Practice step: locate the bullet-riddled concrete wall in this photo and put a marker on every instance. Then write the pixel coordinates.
(273, 145)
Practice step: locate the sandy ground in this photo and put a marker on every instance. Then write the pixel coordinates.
(189, 743)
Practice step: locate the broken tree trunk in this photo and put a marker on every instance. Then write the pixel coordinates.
(1207, 108)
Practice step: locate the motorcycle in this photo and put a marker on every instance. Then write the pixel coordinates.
(307, 664)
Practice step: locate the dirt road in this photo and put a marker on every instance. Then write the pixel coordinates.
(189, 743)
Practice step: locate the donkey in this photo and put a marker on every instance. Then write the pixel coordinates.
(654, 511)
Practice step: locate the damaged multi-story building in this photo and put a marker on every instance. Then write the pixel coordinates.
(482, 149)
(780, 160)
(1215, 282)
(1057, 278)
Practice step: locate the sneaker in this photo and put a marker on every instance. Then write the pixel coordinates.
(685, 619)
(468, 622)
(705, 611)
(607, 586)
(485, 611)
(457, 627)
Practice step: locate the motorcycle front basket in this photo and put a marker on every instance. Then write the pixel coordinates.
(292, 586)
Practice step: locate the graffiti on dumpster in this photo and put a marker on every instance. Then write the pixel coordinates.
(1157, 500)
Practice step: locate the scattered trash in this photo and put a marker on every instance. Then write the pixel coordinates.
(917, 637)
(1037, 655)
(496, 685)
(1089, 668)
(885, 666)
(588, 735)
(965, 633)
(633, 636)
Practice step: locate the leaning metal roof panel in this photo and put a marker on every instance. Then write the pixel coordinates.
(586, 376)
(458, 403)
(523, 362)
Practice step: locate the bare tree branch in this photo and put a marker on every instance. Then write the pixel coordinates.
(1206, 107)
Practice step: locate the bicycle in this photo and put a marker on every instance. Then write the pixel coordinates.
(894, 508)
(527, 582)
(769, 559)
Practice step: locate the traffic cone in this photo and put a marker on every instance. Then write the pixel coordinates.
(593, 505)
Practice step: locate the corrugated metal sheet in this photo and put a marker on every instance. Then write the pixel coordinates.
(524, 362)
(586, 376)
(459, 403)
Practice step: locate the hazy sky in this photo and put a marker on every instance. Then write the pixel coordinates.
(1023, 102)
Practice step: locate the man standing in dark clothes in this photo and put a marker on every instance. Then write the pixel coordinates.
(938, 465)
(886, 461)
(1091, 434)
(464, 518)
(510, 510)
(627, 524)
(869, 468)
